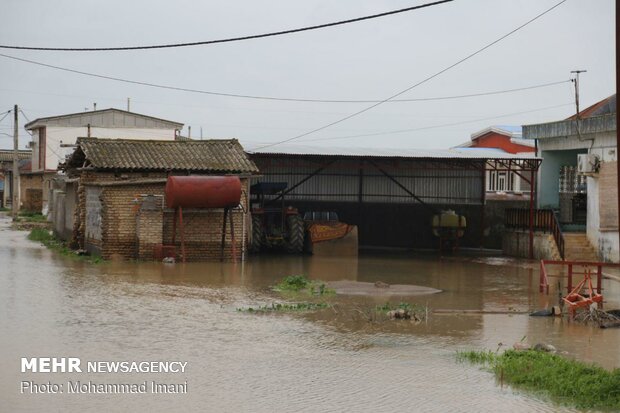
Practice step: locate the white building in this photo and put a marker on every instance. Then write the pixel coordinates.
(586, 195)
(53, 137)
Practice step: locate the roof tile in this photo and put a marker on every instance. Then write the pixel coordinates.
(205, 156)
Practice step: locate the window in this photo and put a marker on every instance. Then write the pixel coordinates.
(502, 181)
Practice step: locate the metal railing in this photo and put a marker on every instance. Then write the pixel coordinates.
(544, 221)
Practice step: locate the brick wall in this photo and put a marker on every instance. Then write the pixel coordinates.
(149, 226)
(31, 192)
(608, 196)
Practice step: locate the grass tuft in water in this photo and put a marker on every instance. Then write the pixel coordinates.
(301, 284)
(45, 237)
(284, 307)
(569, 382)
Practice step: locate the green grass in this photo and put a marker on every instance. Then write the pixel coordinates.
(278, 307)
(46, 238)
(32, 217)
(4, 209)
(301, 284)
(41, 235)
(566, 381)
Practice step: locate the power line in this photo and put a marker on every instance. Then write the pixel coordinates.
(422, 99)
(206, 92)
(418, 83)
(436, 126)
(27, 118)
(5, 115)
(227, 40)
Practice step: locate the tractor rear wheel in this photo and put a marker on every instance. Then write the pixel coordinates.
(258, 234)
(296, 232)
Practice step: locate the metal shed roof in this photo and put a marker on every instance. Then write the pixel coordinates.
(106, 118)
(454, 153)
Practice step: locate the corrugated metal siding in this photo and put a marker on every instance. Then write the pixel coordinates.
(434, 182)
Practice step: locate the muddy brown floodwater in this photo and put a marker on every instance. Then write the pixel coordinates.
(330, 360)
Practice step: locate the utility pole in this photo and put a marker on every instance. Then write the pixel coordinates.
(576, 83)
(15, 188)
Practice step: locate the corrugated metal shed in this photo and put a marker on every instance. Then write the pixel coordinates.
(351, 181)
(106, 118)
(222, 156)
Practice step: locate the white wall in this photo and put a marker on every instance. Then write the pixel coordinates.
(55, 136)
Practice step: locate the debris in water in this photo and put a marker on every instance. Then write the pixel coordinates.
(547, 312)
(169, 260)
(545, 347)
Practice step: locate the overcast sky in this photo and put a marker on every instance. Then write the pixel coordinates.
(367, 60)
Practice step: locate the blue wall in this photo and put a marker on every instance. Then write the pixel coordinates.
(548, 185)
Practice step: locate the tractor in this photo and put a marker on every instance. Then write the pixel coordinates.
(274, 226)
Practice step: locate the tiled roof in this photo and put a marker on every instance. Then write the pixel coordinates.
(603, 107)
(6, 155)
(225, 156)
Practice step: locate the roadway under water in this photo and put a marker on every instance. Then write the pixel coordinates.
(329, 360)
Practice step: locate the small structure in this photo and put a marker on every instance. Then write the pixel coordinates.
(54, 137)
(6, 173)
(578, 179)
(118, 189)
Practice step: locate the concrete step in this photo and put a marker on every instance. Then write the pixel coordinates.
(577, 247)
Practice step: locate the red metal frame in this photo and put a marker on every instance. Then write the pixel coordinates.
(575, 299)
(544, 277)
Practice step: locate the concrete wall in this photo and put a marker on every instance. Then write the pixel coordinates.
(92, 225)
(602, 223)
(517, 244)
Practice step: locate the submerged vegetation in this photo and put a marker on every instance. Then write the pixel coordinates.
(45, 237)
(566, 381)
(283, 307)
(301, 284)
(395, 311)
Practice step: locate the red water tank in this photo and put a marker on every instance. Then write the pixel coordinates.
(203, 191)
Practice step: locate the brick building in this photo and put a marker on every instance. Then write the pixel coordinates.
(113, 197)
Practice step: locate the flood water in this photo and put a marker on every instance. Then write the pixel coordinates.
(329, 360)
